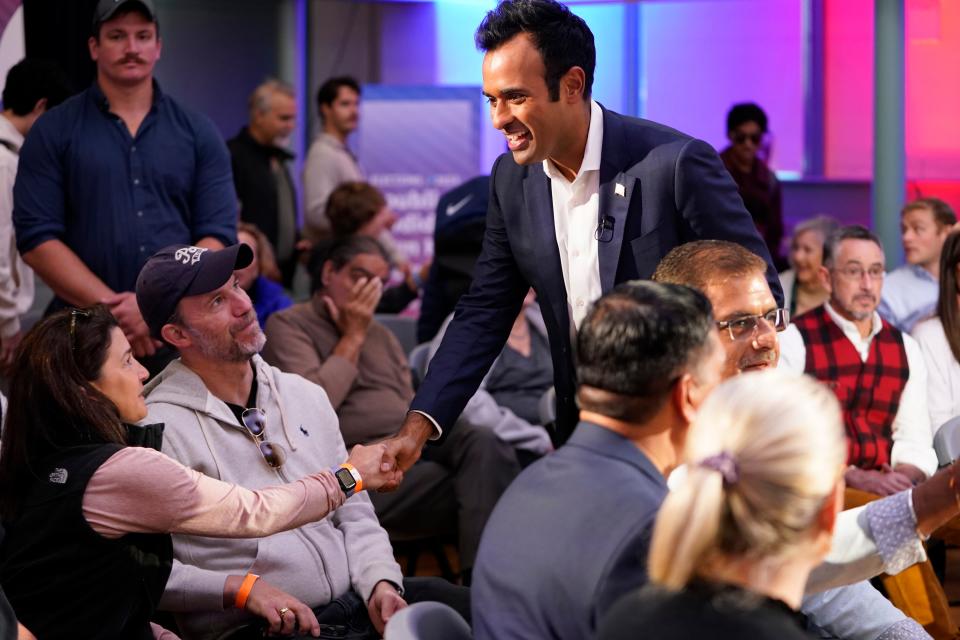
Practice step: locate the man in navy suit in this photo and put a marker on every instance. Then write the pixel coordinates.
(562, 544)
(585, 199)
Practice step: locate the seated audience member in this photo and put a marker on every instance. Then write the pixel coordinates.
(88, 506)
(231, 416)
(802, 287)
(733, 280)
(508, 399)
(756, 182)
(876, 371)
(358, 208)
(939, 339)
(734, 543)
(260, 279)
(461, 220)
(562, 537)
(910, 292)
(517, 576)
(332, 340)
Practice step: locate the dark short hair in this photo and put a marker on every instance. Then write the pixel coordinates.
(703, 262)
(53, 405)
(563, 38)
(32, 80)
(636, 341)
(943, 213)
(352, 205)
(339, 253)
(746, 112)
(329, 90)
(850, 232)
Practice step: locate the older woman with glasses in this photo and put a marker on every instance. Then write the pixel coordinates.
(88, 507)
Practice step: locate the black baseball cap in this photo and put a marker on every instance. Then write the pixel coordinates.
(107, 8)
(180, 271)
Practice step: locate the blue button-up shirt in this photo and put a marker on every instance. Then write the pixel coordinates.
(909, 295)
(115, 199)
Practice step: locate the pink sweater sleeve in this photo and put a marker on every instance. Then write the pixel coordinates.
(140, 490)
(159, 633)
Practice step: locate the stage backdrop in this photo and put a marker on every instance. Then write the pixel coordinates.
(416, 143)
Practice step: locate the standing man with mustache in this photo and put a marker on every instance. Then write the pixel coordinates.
(877, 372)
(585, 199)
(116, 173)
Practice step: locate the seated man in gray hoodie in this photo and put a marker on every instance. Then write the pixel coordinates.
(233, 417)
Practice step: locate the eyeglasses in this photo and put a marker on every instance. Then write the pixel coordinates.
(744, 326)
(255, 422)
(855, 272)
(755, 138)
(73, 325)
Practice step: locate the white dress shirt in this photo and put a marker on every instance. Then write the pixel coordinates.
(576, 213)
(943, 372)
(911, 433)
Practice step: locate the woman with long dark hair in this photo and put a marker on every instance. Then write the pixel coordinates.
(939, 338)
(72, 564)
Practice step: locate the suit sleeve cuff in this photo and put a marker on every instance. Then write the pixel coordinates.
(438, 432)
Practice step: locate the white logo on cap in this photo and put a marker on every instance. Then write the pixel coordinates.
(188, 255)
(59, 476)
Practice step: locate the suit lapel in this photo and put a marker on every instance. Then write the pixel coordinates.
(616, 190)
(539, 205)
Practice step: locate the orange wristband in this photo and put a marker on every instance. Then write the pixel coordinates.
(356, 476)
(245, 588)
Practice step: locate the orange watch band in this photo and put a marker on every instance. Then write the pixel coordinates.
(356, 476)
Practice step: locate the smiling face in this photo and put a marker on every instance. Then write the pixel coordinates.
(536, 127)
(121, 379)
(126, 50)
(735, 298)
(220, 326)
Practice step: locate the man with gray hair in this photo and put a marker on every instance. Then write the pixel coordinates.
(259, 158)
(877, 372)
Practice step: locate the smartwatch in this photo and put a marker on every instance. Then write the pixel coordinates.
(349, 479)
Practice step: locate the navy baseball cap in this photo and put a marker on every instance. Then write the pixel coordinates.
(107, 8)
(180, 271)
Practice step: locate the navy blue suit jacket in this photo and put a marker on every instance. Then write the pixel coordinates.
(566, 540)
(675, 190)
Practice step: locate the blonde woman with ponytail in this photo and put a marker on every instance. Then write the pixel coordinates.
(734, 544)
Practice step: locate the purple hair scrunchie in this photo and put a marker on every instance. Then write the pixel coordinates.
(723, 463)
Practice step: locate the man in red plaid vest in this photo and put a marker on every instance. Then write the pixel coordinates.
(877, 372)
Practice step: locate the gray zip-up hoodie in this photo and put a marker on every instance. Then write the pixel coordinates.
(315, 563)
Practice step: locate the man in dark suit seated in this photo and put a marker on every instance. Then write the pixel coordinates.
(586, 199)
(561, 544)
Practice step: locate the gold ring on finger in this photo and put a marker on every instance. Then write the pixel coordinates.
(283, 611)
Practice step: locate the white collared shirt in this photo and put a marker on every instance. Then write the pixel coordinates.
(576, 210)
(912, 436)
